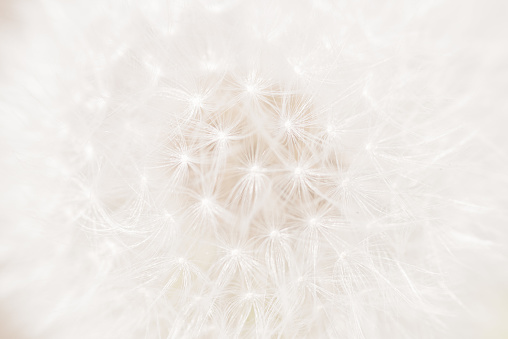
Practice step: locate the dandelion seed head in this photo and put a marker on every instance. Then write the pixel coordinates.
(239, 189)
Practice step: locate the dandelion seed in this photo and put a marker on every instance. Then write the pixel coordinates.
(255, 170)
(196, 102)
(298, 70)
(275, 234)
(288, 125)
(89, 152)
(184, 159)
(252, 89)
(313, 222)
(330, 130)
(299, 172)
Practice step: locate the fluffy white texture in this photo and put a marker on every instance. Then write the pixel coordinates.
(253, 169)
